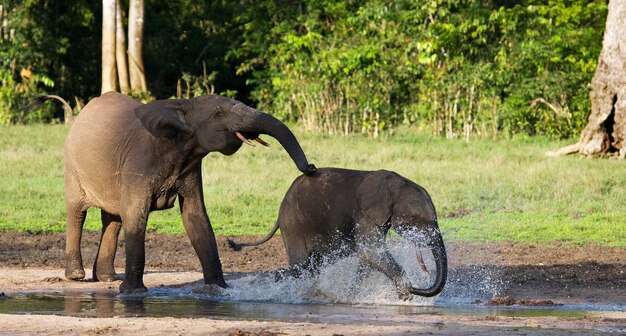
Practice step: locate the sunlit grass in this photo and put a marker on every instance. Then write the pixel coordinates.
(483, 190)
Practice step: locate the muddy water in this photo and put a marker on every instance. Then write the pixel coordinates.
(187, 303)
(183, 303)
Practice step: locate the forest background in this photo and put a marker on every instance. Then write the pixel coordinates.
(459, 69)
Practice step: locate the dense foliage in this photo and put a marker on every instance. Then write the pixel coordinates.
(46, 47)
(453, 68)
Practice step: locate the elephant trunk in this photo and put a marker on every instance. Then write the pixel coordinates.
(441, 261)
(263, 123)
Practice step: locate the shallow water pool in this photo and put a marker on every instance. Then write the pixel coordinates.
(179, 302)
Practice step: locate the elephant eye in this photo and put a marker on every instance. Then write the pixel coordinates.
(219, 113)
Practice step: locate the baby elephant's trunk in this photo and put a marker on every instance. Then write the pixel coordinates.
(441, 261)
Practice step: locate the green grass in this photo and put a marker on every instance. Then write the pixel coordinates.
(484, 190)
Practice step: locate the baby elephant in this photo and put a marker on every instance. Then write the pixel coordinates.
(352, 211)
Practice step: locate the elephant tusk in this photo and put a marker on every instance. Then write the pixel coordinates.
(242, 138)
(259, 140)
(420, 260)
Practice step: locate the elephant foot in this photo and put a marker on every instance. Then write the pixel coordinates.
(403, 291)
(104, 274)
(215, 278)
(74, 273)
(106, 277)
(209, 290)
(405, 295)
(127, 288)
(219, 282)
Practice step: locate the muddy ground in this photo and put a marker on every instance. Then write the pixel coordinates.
(530, 274)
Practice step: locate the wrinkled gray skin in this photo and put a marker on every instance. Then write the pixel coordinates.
(352, 211)
(129, 159)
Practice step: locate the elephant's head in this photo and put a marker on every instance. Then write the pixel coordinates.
(219, 124)
(408, 210)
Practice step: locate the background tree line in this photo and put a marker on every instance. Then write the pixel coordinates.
(451, 68)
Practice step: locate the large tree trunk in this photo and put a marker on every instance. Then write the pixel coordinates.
(135, 39)
(606, 127)
(109, 77)
(120, 51)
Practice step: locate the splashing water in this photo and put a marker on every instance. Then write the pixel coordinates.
(337, 281)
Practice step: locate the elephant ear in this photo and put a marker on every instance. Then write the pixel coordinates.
(163, 118)
(374, 198)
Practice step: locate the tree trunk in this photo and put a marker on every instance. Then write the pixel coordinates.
(120, 51)
(135, 38)
(606, 127)
(109, 77)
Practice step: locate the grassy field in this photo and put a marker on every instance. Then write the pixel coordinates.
(484, 190)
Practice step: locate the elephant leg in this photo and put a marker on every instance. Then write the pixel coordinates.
(73, 258)
(362, 272)
(134, 220)
(385, 263)
(313, 263)
(310, 267)
(373, 251)
(298, 251)
(200, 232)
(199, 229)
(103, 267)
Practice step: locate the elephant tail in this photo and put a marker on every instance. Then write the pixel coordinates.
(236, 246)
(39, 100)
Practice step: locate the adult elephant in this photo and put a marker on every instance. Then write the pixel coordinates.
(339, 211)
(129, 158)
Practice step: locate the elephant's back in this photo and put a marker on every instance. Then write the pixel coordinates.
(326, 197)
(101, 122)
(326, 179)
(110, 112)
